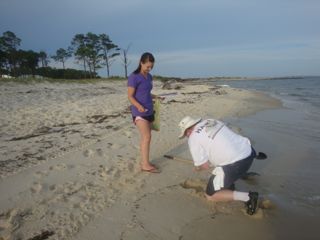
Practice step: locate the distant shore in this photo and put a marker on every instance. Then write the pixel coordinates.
(39, 79)
(237, 78)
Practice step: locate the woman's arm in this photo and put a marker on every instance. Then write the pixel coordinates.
(133, 101)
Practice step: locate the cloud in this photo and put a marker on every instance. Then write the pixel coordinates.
(182, 34)
(263, 59)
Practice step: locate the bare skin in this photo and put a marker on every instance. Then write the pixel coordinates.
(221, 196)
(144, 127)
(145, 140)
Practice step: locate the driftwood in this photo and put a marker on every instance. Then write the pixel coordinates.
(171, 85)
(179, 159)
(38, 132)
(44, 235)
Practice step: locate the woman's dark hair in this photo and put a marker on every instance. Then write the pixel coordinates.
(146, 57)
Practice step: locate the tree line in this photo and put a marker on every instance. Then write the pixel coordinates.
(91, 51)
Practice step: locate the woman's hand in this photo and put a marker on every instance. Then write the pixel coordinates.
(141, 109)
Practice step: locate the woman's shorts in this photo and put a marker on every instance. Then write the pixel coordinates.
(232, 172)
(149, 118)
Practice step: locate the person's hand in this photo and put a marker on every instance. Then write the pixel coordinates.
(141, 109)
(196, 169)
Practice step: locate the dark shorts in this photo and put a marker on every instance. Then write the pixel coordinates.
(232, 172)
(149, 118)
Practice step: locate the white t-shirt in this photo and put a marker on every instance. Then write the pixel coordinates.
(211, 140)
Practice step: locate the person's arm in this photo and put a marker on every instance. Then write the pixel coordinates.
(204, 166)
(199, 156)
(133, 101)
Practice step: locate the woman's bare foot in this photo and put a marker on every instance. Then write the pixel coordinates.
(149, 168)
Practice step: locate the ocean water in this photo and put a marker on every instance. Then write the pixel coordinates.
(290, 136)
(297, 90)
(300, 94)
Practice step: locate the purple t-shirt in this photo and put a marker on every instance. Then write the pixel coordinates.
(143, 87)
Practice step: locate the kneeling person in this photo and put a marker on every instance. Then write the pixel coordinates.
(212, 143)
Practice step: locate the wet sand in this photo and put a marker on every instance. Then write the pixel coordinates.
(289, 177)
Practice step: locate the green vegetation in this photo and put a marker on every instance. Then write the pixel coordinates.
(31, 80)
(90, 50)
(68, 73)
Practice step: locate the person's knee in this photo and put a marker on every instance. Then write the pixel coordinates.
(146, 138)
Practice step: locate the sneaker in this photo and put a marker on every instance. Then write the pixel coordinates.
(252, 203)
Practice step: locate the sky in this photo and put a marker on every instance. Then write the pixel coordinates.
(188, 38)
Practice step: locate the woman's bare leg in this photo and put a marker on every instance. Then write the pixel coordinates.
(145, 140)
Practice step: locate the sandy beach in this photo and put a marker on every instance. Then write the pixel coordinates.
(69, 166)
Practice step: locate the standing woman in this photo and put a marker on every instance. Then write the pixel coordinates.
(140, 97)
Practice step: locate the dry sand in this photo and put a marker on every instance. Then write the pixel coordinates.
(70, 164)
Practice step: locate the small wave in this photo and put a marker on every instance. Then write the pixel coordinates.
(304, 99)
(295, 95)
(314, 198)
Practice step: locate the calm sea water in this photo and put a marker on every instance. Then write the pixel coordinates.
(301, 94)
(291, 138)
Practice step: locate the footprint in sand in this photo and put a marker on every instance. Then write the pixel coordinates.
(36, 187)
(195, 184)
(9, 222)
(102, 172)
(100, 152)
(117, 174)
(88, 153)
(128, 133)
(130, 167)
(114, 146)
(110, 170)
(60, 166)
(69, 166)
(40, 174)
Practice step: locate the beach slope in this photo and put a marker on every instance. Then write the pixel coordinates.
(70, 163)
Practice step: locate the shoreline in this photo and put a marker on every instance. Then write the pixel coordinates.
(289, 177)
(30, 80)
(77, 174)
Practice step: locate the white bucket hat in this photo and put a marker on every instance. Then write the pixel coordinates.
(187, 122)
